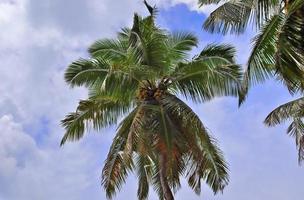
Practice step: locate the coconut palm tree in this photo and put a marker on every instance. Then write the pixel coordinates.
(278, 49)
(141, 77)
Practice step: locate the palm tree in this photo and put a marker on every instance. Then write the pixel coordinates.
(142, 76)
(278, 49)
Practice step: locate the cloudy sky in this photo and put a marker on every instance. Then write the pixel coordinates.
(39, 38)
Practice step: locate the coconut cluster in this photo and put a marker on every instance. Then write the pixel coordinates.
(145, 94)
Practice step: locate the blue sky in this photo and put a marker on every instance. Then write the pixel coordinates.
(38, 39)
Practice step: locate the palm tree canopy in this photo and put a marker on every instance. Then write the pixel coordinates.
(141, 77)
(278, 47)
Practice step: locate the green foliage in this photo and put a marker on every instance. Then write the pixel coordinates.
(291, 111)
(137, 77)
(235, 15)
(278, 50)
(261, 63)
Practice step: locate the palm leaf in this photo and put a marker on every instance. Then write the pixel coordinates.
(178, 45)
(86, 72)
(207, 2)
(225, 51)
(262, 59)
(98, 113)
(204, 152)
(296, 130)
(206, 78)
(108, 48)
(232, 16)
(285, 112)
(235, 15)
(289, 55)
(115, 170)
(144, 173)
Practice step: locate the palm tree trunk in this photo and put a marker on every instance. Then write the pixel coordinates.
(163, 177)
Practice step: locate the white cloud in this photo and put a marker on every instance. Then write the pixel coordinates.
(32, 173)
(193, 5)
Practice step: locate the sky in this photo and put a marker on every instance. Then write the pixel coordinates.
(38, 39)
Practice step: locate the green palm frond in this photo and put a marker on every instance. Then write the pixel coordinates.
(261, 63)
(207, 77)
(207, 2)
(156, 183)
(284, 112)
(232, 16)
(275, 53)
(204, 154)
(235, 15)
(290, 52)
(178, 45)
(149, 40)
(144, 172)
(116, 166)
(109, 48)
(97, 113)
(225, 51)
(293, 111)
(86, 72)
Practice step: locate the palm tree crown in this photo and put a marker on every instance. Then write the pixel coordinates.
(141, 76)
(278, 50)
(279, 47)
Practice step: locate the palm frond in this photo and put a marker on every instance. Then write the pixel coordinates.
(144, 173)
(296, 130)
(235, 15)
(205, 154)
(156, 183)
(178, 45)
(96, 113)
(294, 111)
(116, 169)
(149, 41)
(207, 2)
(108, 48)
(261, 63)
(206, 78)
(285, 112)
(232, 16)
(221, 50)
(290, 51)
(86, 72)
(275, 53)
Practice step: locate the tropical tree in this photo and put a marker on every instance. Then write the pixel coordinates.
(278, 48)
(142, 76)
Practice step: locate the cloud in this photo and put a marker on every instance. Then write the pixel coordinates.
(34, 97)
(193, 6)
(31, 173)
